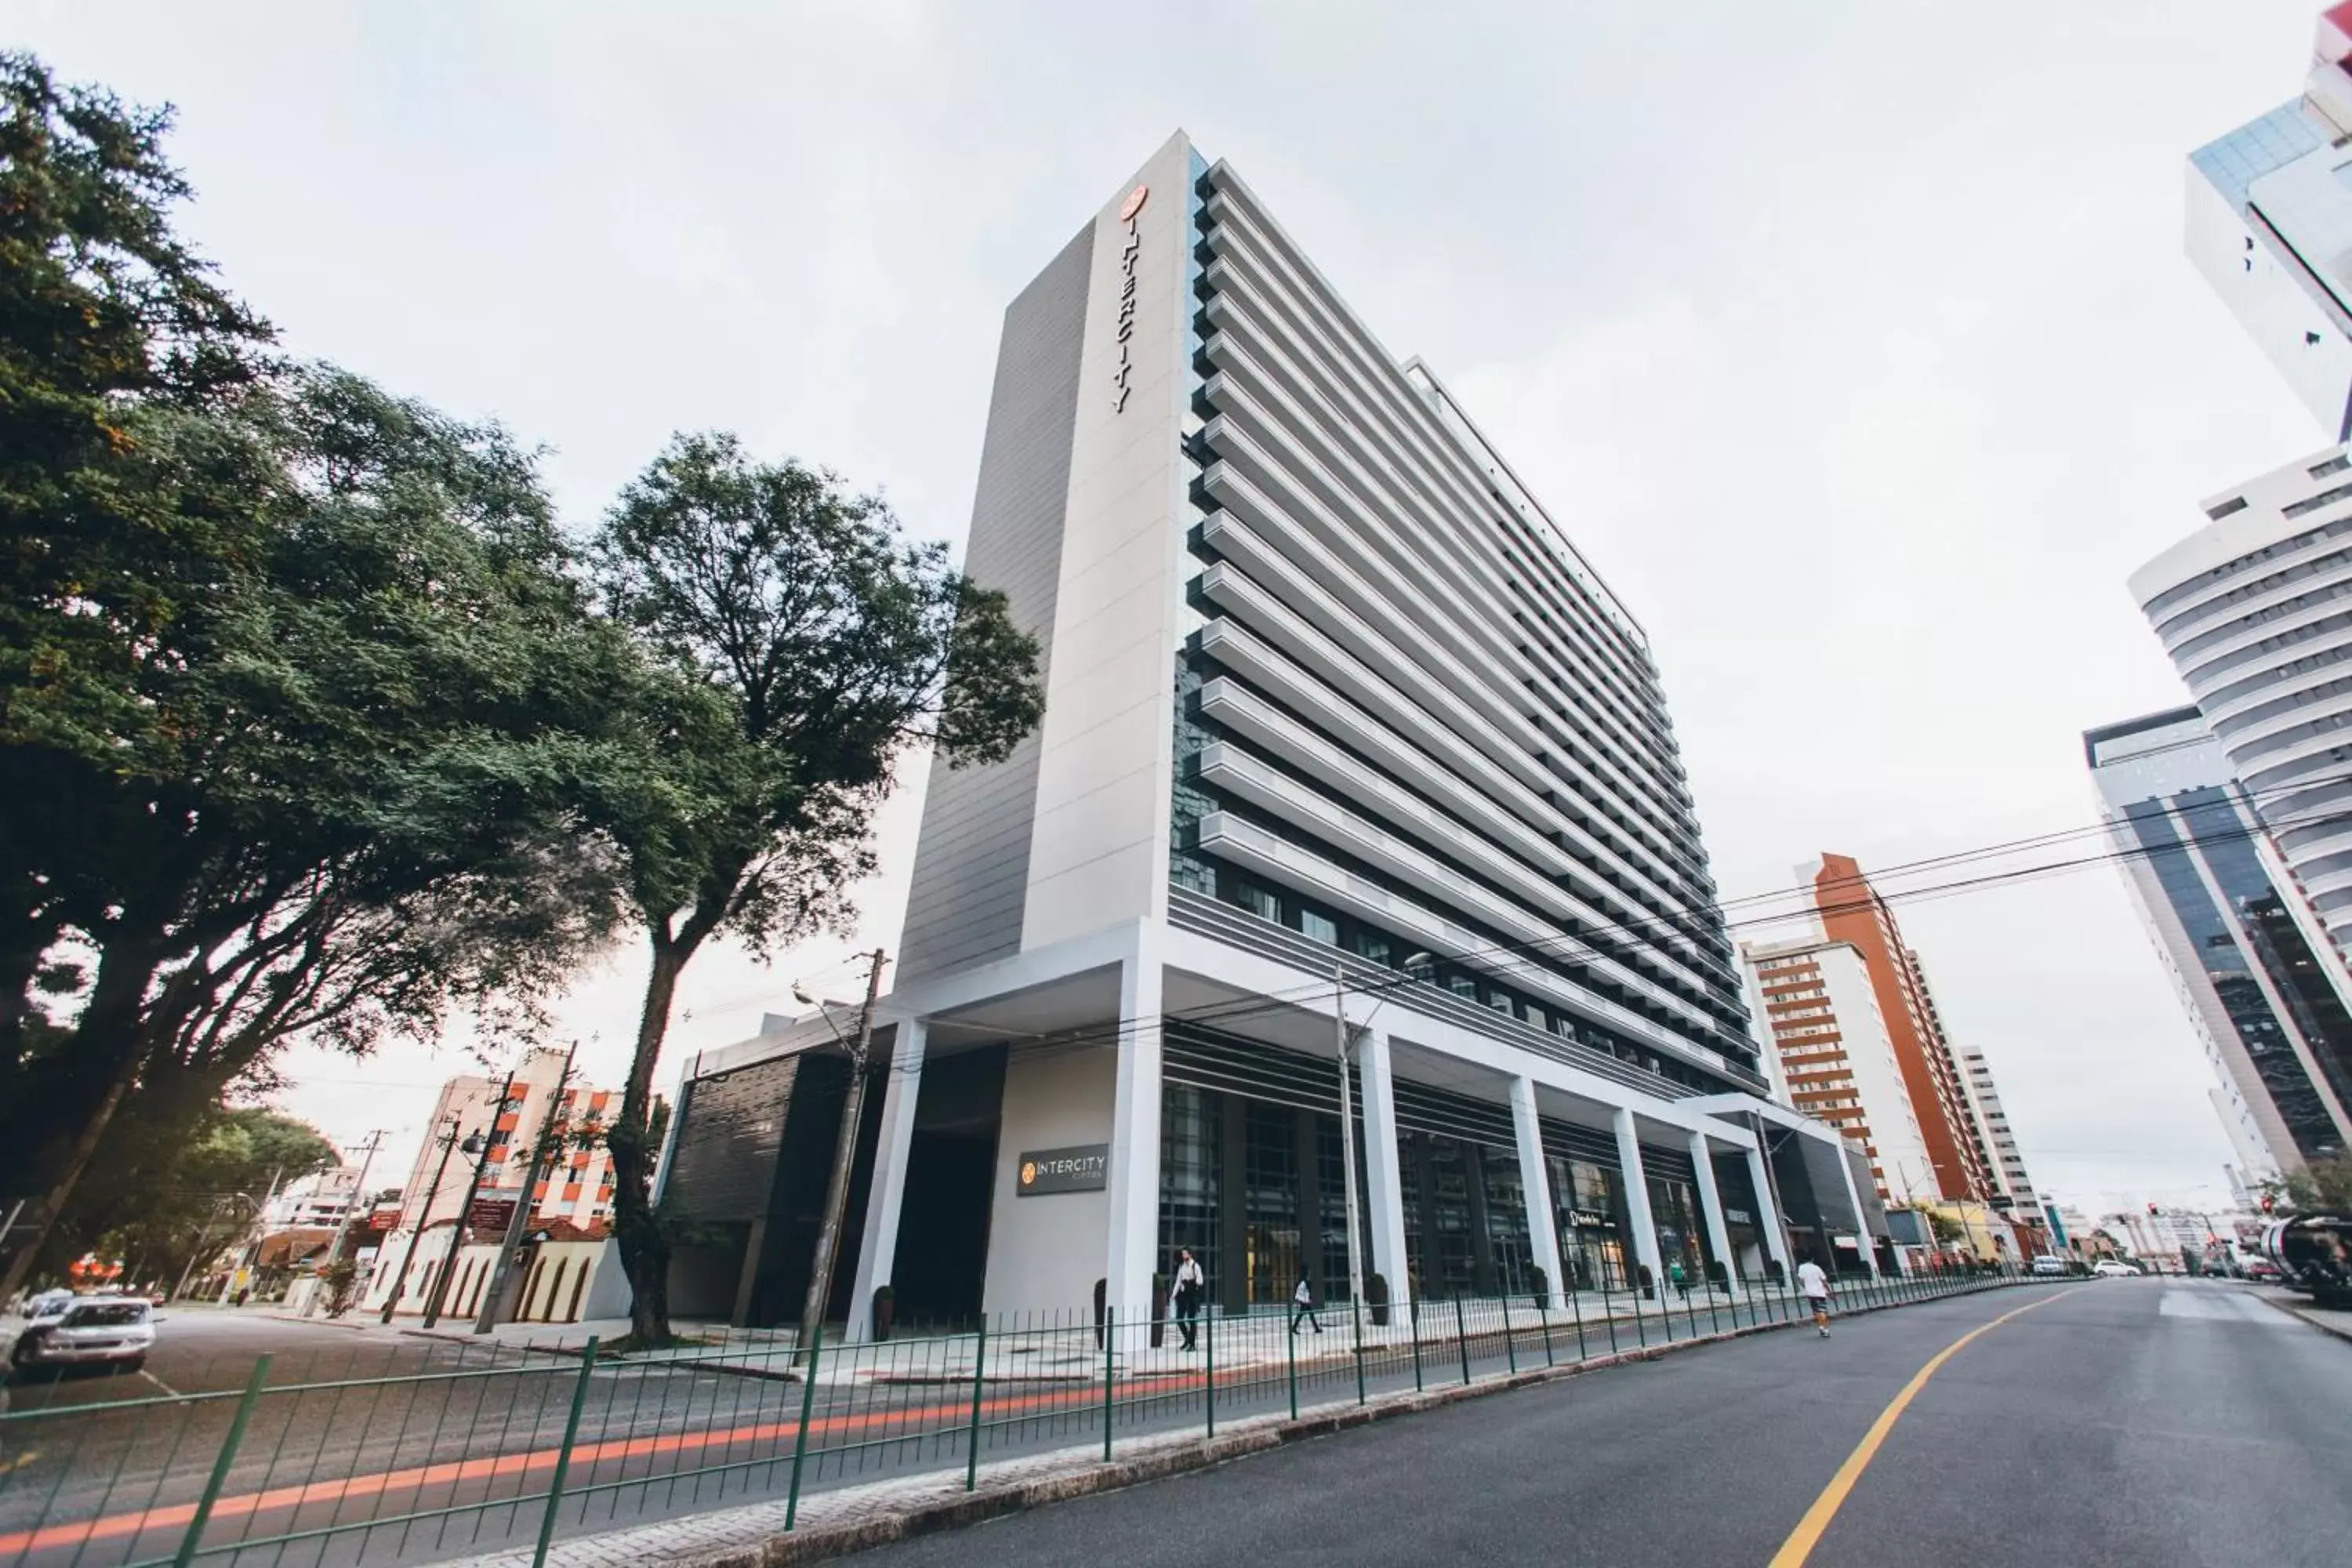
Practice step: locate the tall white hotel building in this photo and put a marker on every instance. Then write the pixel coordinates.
(1327, 689)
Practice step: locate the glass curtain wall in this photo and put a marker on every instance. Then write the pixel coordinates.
(1674, 1209)
(1284, 1167)
(1589, 1202)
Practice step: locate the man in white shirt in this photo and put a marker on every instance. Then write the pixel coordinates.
(1816, 1287)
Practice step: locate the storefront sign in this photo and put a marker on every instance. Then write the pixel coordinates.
(1083, 1169)
(1739, 1216)
(1591, 1219)
(491, 1216)
(1129, 213)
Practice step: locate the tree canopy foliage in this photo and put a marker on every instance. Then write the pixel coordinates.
(297, 680)
(315, 724)
(186, 1186)
(2326, 1185)
(801, 646)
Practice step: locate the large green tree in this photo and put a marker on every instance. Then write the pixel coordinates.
(184, 1186)
(2326, 1185)
(106, 317)
(803, 646)
(300, 694)
(359, 807)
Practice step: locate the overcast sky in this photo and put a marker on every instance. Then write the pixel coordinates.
(1854, 343)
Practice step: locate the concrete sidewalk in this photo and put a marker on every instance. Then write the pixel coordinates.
(1071, 1353)
(2296, 1304)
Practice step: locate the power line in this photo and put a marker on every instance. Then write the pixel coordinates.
(1118, 1032)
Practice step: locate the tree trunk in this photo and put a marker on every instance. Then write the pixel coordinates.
(645, 1251)
(110, 1026)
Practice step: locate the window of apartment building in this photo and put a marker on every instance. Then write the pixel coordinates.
(1318, 926)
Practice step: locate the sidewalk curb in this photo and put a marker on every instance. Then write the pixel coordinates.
(2307, 1316)
(1252, 1435)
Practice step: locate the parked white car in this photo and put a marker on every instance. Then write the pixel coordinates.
(88, 1331)
(2114, 1268)
(2048, 1265)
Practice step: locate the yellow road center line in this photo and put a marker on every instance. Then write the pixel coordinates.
(1808, 1534)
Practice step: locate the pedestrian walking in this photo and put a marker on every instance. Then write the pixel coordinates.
(1816, 1287)
(1680, 1282)
(1191, 1284)
(1302, 1307)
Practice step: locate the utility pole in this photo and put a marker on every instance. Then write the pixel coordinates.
(1347, 1136)
(260, 1223)
(550, 1133)
(359, 1194)
(448, 1140)
(448, 1269)
(845, 1155)
(202, 1237)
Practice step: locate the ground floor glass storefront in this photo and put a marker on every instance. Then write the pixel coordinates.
(1589, 1201)
(1253, 1182)
(1282, 1165)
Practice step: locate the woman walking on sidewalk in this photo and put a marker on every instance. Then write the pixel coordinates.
(1302, 1305)
(1191, 1284)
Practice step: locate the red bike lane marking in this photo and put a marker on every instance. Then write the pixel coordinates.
(238, 1505)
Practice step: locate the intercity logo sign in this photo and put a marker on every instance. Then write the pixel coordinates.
(1130, 214)
(1083, 1169)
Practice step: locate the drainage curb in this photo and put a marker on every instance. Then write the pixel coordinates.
(2309, 1316)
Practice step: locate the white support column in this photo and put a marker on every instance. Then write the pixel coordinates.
(877, 1253)
(1384, 1176)
(1134, 1239)
(1710, 1208)
(1535, 1186)
(1637, 1199)
(1861, 1230)
(1768, 1214)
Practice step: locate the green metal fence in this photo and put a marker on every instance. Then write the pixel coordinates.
(420, 1450)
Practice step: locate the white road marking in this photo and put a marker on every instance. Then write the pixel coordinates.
(2220, 1307)
(160, 1382)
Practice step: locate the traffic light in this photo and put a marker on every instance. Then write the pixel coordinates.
(2270, 1201)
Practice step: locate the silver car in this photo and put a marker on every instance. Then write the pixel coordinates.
(88, 1331)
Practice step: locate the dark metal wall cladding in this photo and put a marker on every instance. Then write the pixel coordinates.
(1208, 1058)
(1865, 1187)
(730, 1129)
(1826, 1169)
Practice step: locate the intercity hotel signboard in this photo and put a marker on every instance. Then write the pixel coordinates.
(1130, 214)
(1085, 1168)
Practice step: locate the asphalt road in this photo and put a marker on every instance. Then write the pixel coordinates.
(2124, 1422)
(207, 1349)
